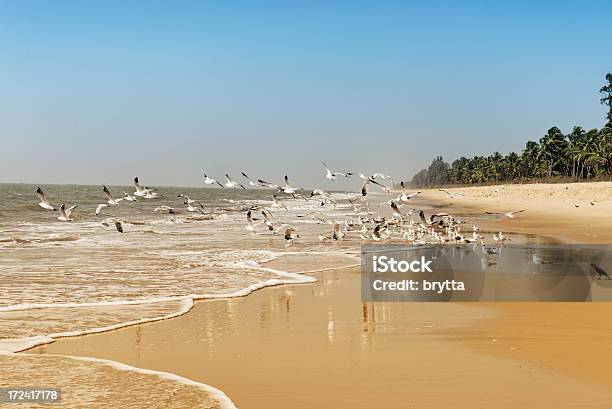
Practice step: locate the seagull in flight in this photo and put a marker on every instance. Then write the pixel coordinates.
(146, 192)
(509, 215)
(109, 197)
(251, 181)
(276, 204)
(232, 183)
(267, 216)
(366, 181)
(100, 207)
(333, 175)
(449, 194)
(191, 208)
(65, 213)
(129, 198)
(43, 201)
(211, 181)
(187, 199)
(268, 184)
(164, 208)
(250, 225)
(287, 188)
(404, 197)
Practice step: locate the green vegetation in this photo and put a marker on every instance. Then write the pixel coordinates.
(579, 155)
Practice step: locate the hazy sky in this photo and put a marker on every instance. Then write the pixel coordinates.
(97, 92)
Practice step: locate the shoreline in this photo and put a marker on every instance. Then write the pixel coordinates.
(505, 313)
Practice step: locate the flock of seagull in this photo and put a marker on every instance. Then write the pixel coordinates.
(409, 225)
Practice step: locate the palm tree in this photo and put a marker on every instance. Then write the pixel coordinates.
(552, 147)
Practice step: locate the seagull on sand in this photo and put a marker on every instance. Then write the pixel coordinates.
(509, 215)
(333, 175)
(535, 259)
(337, 233)
(232, 184)
(109, 197)
(65, 213)
(601, 272)
(289, 232)
(211, 181)
(43, 201)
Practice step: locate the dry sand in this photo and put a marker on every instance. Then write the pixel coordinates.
(550, 209)
(318, 345)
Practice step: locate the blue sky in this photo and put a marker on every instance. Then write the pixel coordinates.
(97, 92)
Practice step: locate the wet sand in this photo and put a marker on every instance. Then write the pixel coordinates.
(318, 345)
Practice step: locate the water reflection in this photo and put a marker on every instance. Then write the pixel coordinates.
(531, 271)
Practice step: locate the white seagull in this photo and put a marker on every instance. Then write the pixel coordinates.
(211, 181)
(187, 199)
(288, 189)
(251, 182)
(289, 230)
(232, 183)
(267, 216)
(43, 201)
(111, 201)
(509, 215)
(268, 184)
(333, 175)
(146, 192)
(276, 204)
(100, 207)
(65, 213)
(250, 225)
(129, 198)
(164, 208)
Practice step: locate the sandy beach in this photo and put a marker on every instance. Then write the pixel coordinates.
(318, 345)
(570, 212)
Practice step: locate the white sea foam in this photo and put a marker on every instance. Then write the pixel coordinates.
(47, 264)
(218, 395)
(22, 344)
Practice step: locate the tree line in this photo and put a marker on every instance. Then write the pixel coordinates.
(577, 155)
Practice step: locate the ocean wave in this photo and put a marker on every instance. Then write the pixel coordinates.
(187, 302)
(34, 240)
